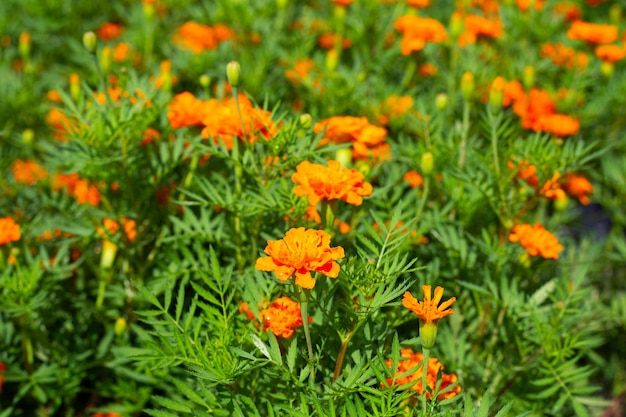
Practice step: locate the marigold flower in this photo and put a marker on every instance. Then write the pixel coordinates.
(343, 3)
(328, 41)
(198, 38)
(428, 310)
(578, 186)
(417, 31)
(569, 10)
(122, 51)
(592, 33)
(368, 141)
(301, 71)
(109, 31)
(9, 231)
(28, 172)
(413, 178)
(333, 182)
(564, 56)
(395, 108)
(610, 53)
(185, 110)
(86, 193)
(414, 360)
(552, 188)
(477, 26)
(558, 124)
(282, 317)
(418, 3)
(112, 226)
(300, 252)
(524, 5)
(536, 240)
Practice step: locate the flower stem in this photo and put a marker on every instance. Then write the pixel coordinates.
(304, 304)
(425, 358)
(420, 208)
(342, 354)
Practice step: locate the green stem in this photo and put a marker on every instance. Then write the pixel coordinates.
(425, 358)
(409, 72)
(465, 132)
(420, 208)
(304, 304)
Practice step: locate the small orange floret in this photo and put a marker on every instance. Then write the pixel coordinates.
(414, 179)
(333, 182)
(536, 240)
(417, 31)
(109, 31)
(418, 3)
(592, 33)
(282, 317)
(610, 53)
(368, 141)
(558, 124)
(578, 186)
(428, 310)
(28, 172)
(9, 231)
(300, 252)
(197, 37)
(414, 361)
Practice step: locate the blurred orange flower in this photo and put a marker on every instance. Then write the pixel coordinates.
(536, 240)
(558, 124)
(413, 178)
(9, 230)
(610, 53)
(328, 41)
(198, 38)
(333, 182)
(28, 172)
(415, 361)
(368, 141)
(524, 5)
(109, 31)
(300, 252)
(592, 33)
(185, 110)
(418, 3)
(428, 310)
(477, 26)
(578, 186)
(417, 31)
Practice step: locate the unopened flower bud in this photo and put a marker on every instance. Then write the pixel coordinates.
(306, 120)
(233, 70)
(456, 25)
(560, 204)
(607, 69)
(427, 163)
(109, 250)
(524, 260)
(529, 76)
(467, 85)
(615, 14)
(75, 86)
(281, 4)
(496, 94)
(441, 101)
(120, 326)
(89, 41)
(205, 81)
(344, 156)
(24, 44)
(332, 59)
(27, 136)
(148, 10)
(105, 60)
(428, 334)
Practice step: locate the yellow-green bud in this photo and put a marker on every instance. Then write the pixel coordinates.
(148, 10)
(339, 12)
(109, 250)
(426, 163)
(560, 204)
(306, 121)
(467, 85)
(332, 59)
(23, 45)
(496, 94)
(364, 167)
(120, 326)
(615, 14)
(456, 25)
(205, 80)
(524, 260)
(75, 86)
(529, 76)
(607, 69)
(281, 4)
(441, 101)
(344, 156)
(233, 70)
(27, 136)
(105, 60)
(89, 41)
(428, 334)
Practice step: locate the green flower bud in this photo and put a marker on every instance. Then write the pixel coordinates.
(467, 85)
(233, 70)
(428, 334)
(205, 81)
(27, 136)
(441, 101)
(427, 163)
(120, 326)
(89, 41)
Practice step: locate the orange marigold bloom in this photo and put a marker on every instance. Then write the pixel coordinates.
(592, 33)
(563, 55)
(112, 226)
(61, 124)
(86, 193)
(578, 186)
(552, 188)
(428, 310)
(301, 71)
(109, 31)
(282, 317)
(531, 107)
(198, 38)
(569, 10)
(328, 41)
(610, 53)
(415, 361)
(28, 172)
(418, 3)
(367, 140)
(300, 252)
(413, 178)
(221, 121)
(557, 124)
(417, 31)
(536, 240)
(524, 5)
(395, 107)
(343, 3)
(121, 52)
(476, 26)
(9, 231)
(333, 182)
(185, 110)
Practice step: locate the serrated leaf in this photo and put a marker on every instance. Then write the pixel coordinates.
(261, 346)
